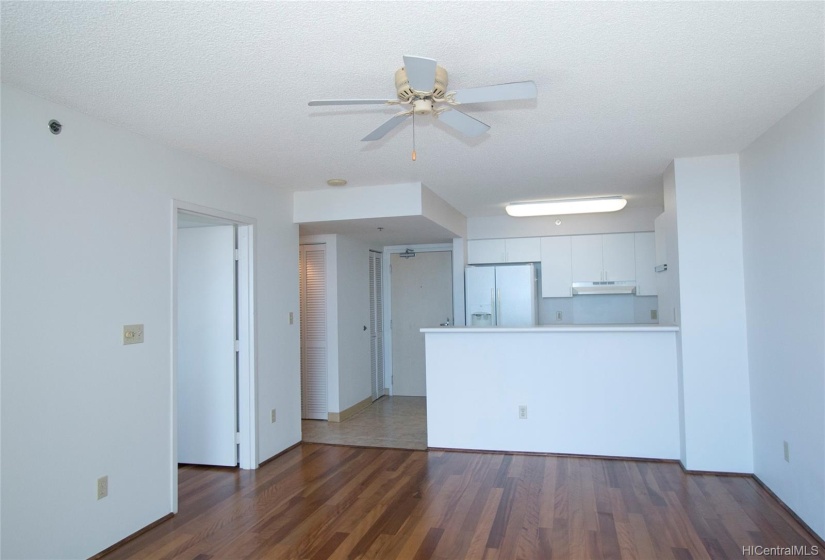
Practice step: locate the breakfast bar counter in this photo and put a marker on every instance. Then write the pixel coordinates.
(581, 389)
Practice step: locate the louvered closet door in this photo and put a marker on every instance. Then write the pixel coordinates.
(376, 325)
(313, 332)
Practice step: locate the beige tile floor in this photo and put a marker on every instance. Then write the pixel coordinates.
(388, 422)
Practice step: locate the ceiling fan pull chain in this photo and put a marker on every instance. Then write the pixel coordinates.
(413, 127)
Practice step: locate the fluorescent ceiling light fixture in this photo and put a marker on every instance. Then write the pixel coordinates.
(571, 206)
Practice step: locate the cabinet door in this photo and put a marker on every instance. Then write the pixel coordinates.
(556, 267)
(486, 251)
(645, 257)
(523, 249)
(619, 256)
(586, 258)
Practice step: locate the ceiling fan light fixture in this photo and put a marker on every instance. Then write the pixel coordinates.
(563, 207)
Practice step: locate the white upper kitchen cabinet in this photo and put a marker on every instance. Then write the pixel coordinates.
(523, 249)
(619, 256)
(486, 251)
(497, 251)
(608, 257)
(645, 264)
(556, 267)
(586, 258)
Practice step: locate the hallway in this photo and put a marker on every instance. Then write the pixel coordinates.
(399, 422)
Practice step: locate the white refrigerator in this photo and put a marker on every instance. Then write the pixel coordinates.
(503, 296)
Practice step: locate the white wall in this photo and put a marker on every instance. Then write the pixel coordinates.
(783, 187)
(668, 281)
(439, 211)
(459, 262)
(87, 248)
(624, 221)
(714, 360)
(352, 203)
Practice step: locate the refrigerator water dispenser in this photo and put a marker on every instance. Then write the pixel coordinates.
(481, 320)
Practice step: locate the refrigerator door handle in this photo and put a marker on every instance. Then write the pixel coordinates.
(498, 307)
(493, 309)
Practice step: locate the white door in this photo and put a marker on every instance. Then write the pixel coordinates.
(376, 325)
(422, 296)
(206, 358)
(313, 280)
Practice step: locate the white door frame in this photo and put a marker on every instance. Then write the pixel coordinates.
(247, 356)
(389, 250)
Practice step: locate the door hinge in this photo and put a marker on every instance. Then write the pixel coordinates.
(237, 437)
(237, 255)
(237, 346)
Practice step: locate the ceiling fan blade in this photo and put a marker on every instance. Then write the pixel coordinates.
(500, 92)
(463, 123)
(420, 72)
(382, 130)
(349, 102)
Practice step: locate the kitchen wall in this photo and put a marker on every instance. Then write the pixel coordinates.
(628, 220)
(87, 247)
(783, 211)
(595, 310)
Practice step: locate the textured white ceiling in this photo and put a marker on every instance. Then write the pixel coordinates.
(623, 87)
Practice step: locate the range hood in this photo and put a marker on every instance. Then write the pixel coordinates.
(597, 288)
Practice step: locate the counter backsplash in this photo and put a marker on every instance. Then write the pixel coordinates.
(598, 310)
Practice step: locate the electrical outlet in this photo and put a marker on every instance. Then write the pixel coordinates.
(654, 315)
(102, 487)
(272, 415)
(522, 412)
(787, 452)
(559, 316)
(132, 334)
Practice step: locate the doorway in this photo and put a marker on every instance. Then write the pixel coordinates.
(206, 359)
(421, 296)
(234, 428)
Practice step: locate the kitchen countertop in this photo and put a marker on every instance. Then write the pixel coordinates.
(554, 329)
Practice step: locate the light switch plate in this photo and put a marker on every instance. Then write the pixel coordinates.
(102, 487)
(132, 334)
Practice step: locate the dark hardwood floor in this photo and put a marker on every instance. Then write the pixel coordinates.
(320, 501)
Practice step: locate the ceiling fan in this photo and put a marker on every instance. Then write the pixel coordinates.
(422, 84)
